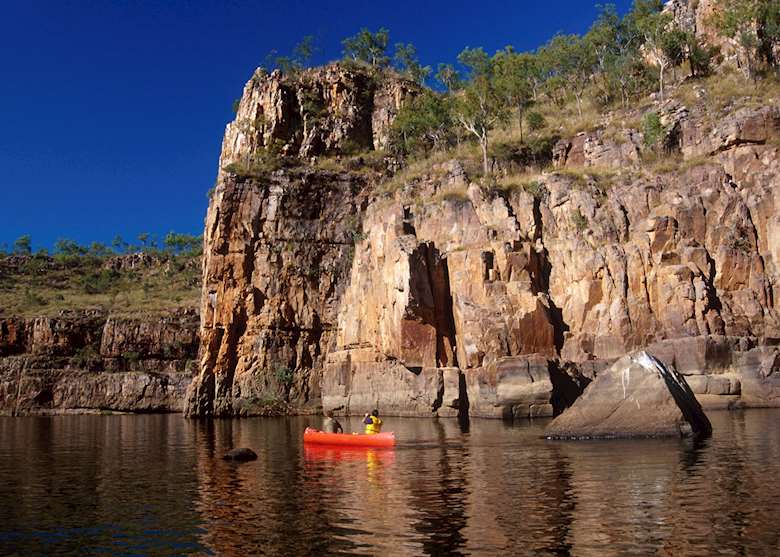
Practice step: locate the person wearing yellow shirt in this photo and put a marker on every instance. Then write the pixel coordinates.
(373, 423)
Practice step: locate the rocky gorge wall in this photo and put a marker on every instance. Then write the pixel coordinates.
(89, 361)
(445, 296)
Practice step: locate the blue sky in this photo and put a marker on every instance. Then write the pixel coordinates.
(113, 112)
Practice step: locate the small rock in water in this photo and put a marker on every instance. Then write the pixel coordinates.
(242, 454)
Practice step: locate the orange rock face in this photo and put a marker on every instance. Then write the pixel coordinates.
(446, 297)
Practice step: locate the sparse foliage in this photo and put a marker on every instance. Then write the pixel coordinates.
(367, 47)
(23, 245)
(661, 40)
(480, 107)
(406, 61)
(756, 26)
(511, 75)
(448, 76)
(652, 129)
(423, 124)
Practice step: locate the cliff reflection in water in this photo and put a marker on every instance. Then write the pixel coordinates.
(156, 485)
(494, 489)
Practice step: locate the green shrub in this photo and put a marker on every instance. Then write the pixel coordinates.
(516, 183)
(23, 245)
(535, 121)
(258, 166)
(284, 375)
(537, 189)
(579, 220)
(652, 129)
(131, 357)
(98, 283)
(311, 103)
(84, 356)
(536, 151)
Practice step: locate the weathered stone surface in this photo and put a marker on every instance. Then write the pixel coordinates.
(519, 300)
(357, 381)
(277, 254)
(596, 149)
(637, 397)
(745, 126)
(89, 361)
(328, 110)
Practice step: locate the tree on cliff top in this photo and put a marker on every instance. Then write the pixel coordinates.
(512, 70)
(304, 50)
(570, 60)
(407, 62)
(480, 107)
(368, 47)
(448, 76)
(300, 59)
(423, 124)
(23, 245)
(661, 40)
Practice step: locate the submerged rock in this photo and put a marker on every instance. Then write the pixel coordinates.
(242, 455)
(637, 397)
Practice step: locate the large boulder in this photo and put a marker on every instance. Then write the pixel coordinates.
(637, 397)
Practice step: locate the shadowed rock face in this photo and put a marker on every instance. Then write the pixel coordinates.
(637, 397)
(448, 298)
(277, 259)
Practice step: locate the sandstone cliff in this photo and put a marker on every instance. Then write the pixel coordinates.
(90, 361)
(448, 296)
(93, 359)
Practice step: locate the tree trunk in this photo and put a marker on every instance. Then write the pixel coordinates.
(483, 142)
(661, 82)
(520, 121)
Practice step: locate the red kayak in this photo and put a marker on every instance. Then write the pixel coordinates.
(314, 436)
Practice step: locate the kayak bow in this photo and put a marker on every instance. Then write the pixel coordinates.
(313, 436)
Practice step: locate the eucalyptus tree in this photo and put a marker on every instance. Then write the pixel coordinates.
(480, 107)
(661, 39)
(449, 77)
(423, 124)
(511, 76)
(407, 62)
(368, 47)
(570, 61)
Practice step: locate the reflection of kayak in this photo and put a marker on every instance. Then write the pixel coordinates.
(345, 439)
(344, 453)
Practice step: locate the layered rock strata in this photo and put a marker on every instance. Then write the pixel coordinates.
(90, 361)
(447, 297)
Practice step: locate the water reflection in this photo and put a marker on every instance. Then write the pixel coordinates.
(156, 485)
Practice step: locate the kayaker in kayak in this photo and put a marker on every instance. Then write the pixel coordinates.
(331, 424)
(373, 423)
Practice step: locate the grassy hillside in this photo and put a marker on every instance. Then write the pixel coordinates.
(42, 285)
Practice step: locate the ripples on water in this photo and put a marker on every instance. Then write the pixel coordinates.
(155, 485)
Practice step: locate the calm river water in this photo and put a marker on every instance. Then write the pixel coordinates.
(155, 485)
